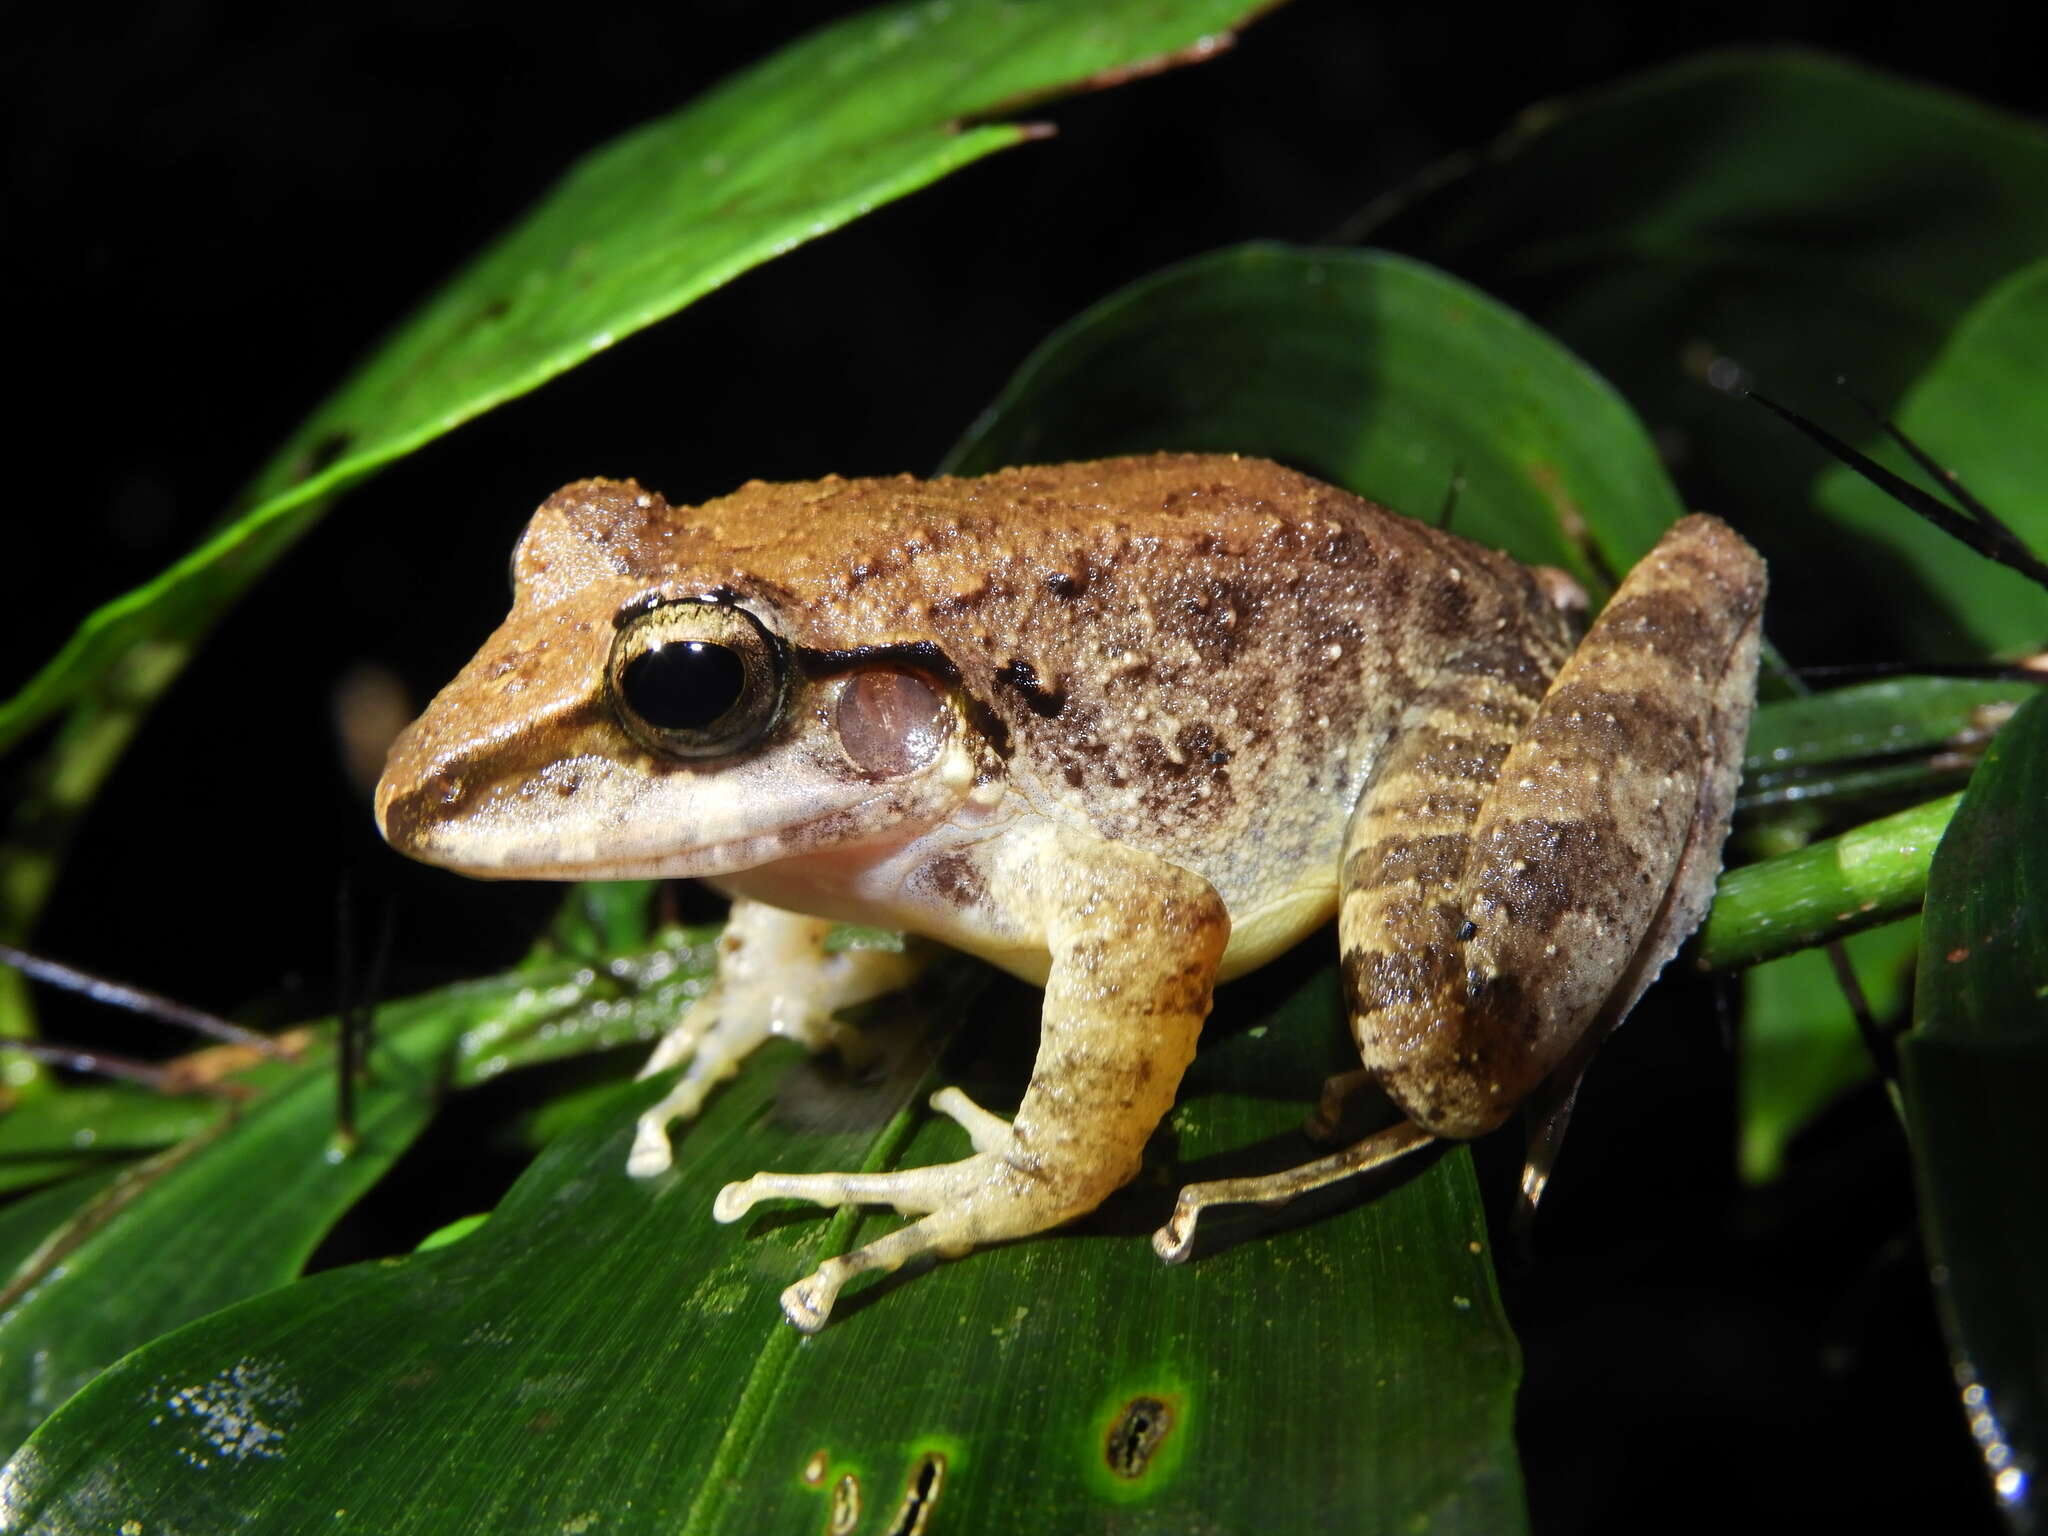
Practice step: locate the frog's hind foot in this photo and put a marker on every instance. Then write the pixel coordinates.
(1327, 1117)
(1176, 1240)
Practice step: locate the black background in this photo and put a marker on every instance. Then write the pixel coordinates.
(213, 210)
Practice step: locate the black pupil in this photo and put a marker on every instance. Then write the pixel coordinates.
(686, 685)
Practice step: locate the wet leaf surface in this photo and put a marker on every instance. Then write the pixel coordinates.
(1975, 1077)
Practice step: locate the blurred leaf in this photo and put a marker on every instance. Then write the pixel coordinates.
(604, 1354)
(1979, 412)
(103, 1119)
(236, 1210)
(1775, 218)
(1801, 1050)
(75, 1128)
(1365, 369)
(1975, 1078)
(597, 918)
(854, 116)
(25, 1224)
(607, 1000)
(226, 1214)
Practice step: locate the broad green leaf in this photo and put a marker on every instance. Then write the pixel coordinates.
(849, 118)
(1975, 1072)
(1774, 219)
(1366, 369)
(228, 1213)
(1979, 411)
(605, 1356)
(236, 1209)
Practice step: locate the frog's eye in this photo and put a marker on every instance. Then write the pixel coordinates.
(695, 679)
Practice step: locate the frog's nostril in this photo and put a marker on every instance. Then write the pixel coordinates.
(409, 817)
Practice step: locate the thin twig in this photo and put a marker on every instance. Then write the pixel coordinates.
(1925, 460)
(2030, 670)
(127, 1068)
(150, 1004)
(1990, 538)
(1880, 1045)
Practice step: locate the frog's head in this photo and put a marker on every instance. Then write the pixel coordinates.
(649, 710)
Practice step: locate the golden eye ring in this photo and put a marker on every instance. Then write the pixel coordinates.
(696, 678)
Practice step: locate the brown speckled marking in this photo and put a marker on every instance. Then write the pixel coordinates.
(952, 879)
(1196, 623)
(1482, 939)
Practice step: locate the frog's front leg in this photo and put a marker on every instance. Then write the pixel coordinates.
(1133, 943)
(775, 977)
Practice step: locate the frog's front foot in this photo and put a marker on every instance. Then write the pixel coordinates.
(999, 1192)
(775, 977)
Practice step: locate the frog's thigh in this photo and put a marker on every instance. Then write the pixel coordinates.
(775, 977)
(1476, 963)
(1134, 943)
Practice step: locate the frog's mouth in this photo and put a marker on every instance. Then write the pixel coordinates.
(589, 818)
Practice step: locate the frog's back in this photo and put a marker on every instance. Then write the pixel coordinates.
(1198, 655)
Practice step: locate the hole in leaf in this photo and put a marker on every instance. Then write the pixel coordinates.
(921, 1497)
(1134, 1439)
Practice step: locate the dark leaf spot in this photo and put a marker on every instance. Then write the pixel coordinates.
(1134, 1439)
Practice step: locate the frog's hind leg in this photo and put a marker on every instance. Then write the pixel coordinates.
(1134, 943)
(1176, 1240)
(1489, 954)
(775, 977)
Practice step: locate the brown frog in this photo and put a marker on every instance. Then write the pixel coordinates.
(1125, 729)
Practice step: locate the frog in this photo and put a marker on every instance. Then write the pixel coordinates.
(1126, 729)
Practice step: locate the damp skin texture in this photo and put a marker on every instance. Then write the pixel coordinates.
(1125, 729)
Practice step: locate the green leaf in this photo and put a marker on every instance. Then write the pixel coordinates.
(837, 124)
(233, 1211)
(1766, 218)
(1902, 737)
(1975, 1074)
(103, 1120)
(602, 1352)
(607, 1000)
(1978, 410)
(28, 1222)
(1882, 719)
(1363, 368)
